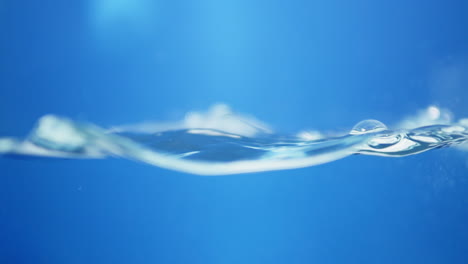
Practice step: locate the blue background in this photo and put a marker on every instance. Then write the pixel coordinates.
(295, 64)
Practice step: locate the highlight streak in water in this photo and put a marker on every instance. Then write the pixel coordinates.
(219, 142)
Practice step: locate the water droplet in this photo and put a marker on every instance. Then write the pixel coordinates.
(368, 126)
(433, 112)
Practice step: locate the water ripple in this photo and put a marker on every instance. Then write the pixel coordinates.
(220, 142)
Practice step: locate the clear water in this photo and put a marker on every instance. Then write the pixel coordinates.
(77, 190)
(220, 142)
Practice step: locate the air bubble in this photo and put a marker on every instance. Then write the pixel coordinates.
(368, 126)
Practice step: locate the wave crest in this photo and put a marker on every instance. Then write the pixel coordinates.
(220, 142)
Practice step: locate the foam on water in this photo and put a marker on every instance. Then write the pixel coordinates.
(219, 142)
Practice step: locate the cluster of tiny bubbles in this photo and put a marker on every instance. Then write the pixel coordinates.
(368, 126)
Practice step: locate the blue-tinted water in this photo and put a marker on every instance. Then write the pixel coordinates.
(220, 142)
(298, 76)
